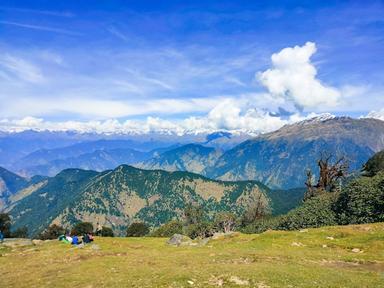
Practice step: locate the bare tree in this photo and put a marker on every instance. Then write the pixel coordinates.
(257, 208)
(225, 221)
(330, 175)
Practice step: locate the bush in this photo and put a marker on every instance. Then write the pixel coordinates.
(315, 212)
(199, 230)
(52, 232)
(21, 232)
(106, 232)
(362, 201)
(169, 229)
(5, 224)
(137, 229)
(82, 228)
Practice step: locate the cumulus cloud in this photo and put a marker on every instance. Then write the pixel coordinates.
(293, 77)
(229, 116)
(379, 114)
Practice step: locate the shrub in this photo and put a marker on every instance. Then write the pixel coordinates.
(199, 230)
(52, 232)
(106, 232)
(137, 229)
(169, 229)
(82, 228)
(5, 224)
(315, 212)
(362, 201)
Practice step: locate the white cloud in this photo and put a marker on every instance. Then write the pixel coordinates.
(293, 77)
(225, 116)
(128, 90)
(379, 114)
(90, 108)
(235, 81)
(40, 28)
(228, 115)
(114, 31)
(22, 69)
(145, 80)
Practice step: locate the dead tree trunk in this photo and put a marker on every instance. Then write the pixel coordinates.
(330, 175)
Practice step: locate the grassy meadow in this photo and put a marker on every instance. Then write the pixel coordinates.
(340, 256)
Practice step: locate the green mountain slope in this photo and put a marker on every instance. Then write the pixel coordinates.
(37, 210)
(125, 194)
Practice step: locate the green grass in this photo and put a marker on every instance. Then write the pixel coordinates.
(264, 260)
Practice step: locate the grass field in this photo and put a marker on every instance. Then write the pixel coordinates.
(343, 256)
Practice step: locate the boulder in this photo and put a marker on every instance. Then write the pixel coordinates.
(179, 240)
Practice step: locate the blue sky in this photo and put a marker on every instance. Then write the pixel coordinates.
(177, 66)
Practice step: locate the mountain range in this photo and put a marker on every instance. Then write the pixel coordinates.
(25, 154)
(280, 159)
(168, 177)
